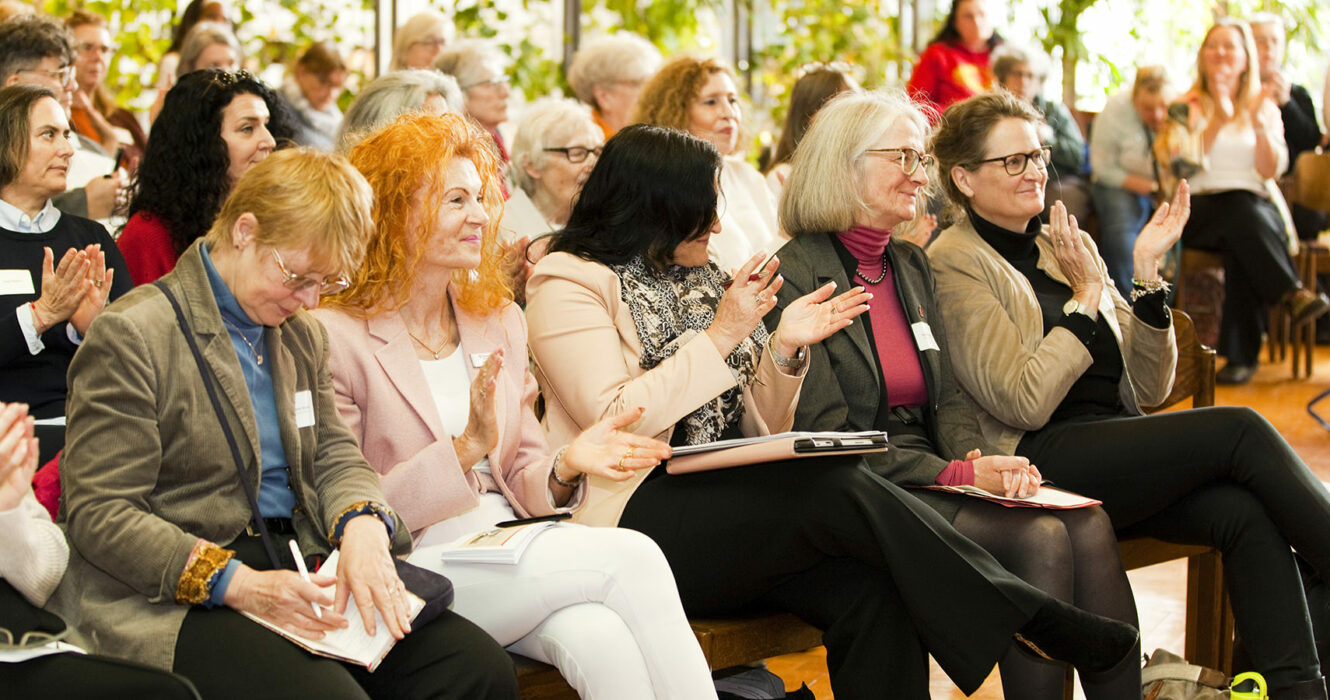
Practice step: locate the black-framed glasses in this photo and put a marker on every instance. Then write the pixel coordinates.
(576, 154)
(299, 283)
(1016, 163)
(908, 158)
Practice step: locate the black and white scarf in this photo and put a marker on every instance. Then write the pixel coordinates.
(665, 305)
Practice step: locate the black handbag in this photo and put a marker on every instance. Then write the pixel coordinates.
(433, 588)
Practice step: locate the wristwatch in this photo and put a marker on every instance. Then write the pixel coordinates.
(1075, 307)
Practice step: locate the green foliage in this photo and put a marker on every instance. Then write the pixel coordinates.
(534, 69)
(136, 25)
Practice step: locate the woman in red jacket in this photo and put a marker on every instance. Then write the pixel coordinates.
(956, 63)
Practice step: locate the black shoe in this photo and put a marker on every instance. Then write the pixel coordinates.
(1235, 374)
(1062, 632)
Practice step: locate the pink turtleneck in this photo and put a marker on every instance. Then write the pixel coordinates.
(902, 373)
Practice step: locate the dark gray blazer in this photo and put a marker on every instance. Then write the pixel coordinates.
(843, 388)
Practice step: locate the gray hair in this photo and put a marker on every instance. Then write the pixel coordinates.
(821, 194)
(1008, 56)
(415, 30)
(200, 37)
(391, 95)
(1268, 18)
(545, 122)
(621, 57)
(466, 59)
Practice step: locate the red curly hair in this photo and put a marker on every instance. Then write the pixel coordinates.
(398, 161)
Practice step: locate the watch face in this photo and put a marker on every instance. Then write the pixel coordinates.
(1070, 307)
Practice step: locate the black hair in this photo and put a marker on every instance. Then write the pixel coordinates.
(192, 15)
(182, 179)
(948, 33)
(26, 41)
(651, 189)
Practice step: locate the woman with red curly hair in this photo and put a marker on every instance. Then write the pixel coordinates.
(430, 368)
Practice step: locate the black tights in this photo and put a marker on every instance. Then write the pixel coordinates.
(1071, 555)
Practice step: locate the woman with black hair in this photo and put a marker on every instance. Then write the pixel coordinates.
(215, 126)
(627, 311)
(956, 63)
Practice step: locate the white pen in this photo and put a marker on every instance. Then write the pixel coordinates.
(304, 573)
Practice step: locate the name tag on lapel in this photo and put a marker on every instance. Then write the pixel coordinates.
(478, 359)
(16, 282)
(304, 409)
(923, 336)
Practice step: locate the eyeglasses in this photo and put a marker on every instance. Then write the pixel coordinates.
(299, 283)
(101, 49)
(1016, 163)
(576, 154)
(61, 75)
(909, 159)
(434, 42)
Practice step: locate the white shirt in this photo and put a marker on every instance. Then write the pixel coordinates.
(1231, 162)
(748, 216)
(450, 386)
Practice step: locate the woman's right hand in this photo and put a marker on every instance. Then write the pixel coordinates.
(1074, 257)
(63, 287)
(1013, 477)
(482, 426)
(18, 455)
(283, 598)
(745, 303)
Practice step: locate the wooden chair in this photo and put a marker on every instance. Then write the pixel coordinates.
(1313, 257)
(1209, 626)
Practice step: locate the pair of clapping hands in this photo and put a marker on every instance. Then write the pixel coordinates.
(74, 290)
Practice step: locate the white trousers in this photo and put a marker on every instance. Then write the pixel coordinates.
(599, 604)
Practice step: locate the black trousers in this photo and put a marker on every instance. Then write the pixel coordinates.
(226, 655)
(1247, 230)
(883, 575)
(64, 676)
(1221, 477)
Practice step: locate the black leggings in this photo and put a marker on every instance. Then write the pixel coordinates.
(1221, 477)
(70, 675)
(1071, 555)
(883, 575)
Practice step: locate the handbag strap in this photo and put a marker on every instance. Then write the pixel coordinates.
(226, 427)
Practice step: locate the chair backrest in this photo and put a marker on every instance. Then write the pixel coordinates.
(1195, 376)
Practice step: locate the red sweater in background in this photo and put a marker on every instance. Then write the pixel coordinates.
(947, 73)
(146, 244)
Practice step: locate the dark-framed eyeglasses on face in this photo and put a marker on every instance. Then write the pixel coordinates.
(908, 158)
(1016, 163)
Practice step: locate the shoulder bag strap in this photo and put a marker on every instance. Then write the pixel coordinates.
(226, 427)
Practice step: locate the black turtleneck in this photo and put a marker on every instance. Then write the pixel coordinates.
(1095, 393)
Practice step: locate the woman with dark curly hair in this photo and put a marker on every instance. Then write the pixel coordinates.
(215, 126)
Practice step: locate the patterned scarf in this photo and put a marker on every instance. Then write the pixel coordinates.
(665, 306)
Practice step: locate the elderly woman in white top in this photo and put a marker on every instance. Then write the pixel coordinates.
(556, 146)
(1122, 170)
(390, 96)
(608, 73)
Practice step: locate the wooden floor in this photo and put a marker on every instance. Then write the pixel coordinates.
(1159, 589)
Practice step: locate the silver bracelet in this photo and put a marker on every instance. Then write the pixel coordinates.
(1142, 288)
(786, 362)
(554, 471)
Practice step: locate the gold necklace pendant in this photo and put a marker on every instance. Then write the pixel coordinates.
(257, 355)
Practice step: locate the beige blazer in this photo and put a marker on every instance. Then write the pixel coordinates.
(383, 396)
(1014, 374)
(586, 349)
(147, 472)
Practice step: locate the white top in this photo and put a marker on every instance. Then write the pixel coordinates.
(450, 386)
(1118, 143)
(1231, 162)
(748, 216)
(776, 180)
(522, 218)
(33, 551)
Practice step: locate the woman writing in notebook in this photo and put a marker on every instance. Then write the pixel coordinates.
(429, 364)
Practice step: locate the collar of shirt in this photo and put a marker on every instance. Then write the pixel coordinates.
(15, 219)
(226, 301)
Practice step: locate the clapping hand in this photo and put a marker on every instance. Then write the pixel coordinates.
(745, 303)
(607, 451)
(1163, 231)
(18, 455)
(1074, 257)
(814, 317)
(482, 425)
(97, 289)
(63, 287)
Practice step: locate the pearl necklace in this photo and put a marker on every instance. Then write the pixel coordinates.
(880, 277)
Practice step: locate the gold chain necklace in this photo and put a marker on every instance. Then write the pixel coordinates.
(253, 349)
(425, 345)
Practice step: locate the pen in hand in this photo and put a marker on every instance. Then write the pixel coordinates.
(304, 573)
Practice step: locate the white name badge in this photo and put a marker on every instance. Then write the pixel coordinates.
(304, 409)
(923, 336)
(16, 282)
(478, 359)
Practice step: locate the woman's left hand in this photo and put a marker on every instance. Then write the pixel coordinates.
(366, 571)
(18, 454)
(813, 317)
(100, 277)
(607, 451)
(1163, 231)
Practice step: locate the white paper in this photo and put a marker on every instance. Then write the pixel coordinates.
(304, 409)
(478, 359)
(923, 337)
(16, 282)
(499, 545)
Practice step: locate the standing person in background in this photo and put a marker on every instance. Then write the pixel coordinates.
(955, 65)
(95, 113)
(418, 41)
(1302, 133)
(608, 73)
(1122, 167)
(817, 83)
(312, 90)
(698, 95)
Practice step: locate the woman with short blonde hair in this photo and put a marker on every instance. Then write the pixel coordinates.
(419, 40)
(608, 73)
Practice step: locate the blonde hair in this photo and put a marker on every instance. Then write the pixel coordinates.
(822, 193)
(413, 31)
(1150, 80)
(621, 57)
(303, 199)
(399, 161)
(545, 123)
(1249, 82)
(668, 95)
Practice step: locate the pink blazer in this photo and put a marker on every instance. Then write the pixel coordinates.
(586, 349)
(384, 398)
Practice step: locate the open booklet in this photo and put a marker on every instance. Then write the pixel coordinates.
(498, 545)
(773, 448)
(351, 644)
(1046, 497)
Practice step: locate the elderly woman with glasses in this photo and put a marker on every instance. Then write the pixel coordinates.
(419, 40)
(479, 69)
(858, 175)
(1058, 366)
(164, 568)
